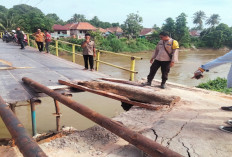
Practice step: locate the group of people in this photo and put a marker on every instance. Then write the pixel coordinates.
(40, 38)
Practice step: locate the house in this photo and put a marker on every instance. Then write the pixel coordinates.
(60, 31)
(80, 29)
(115, 30)
(146, 32)
(195, 33)
(73, 29)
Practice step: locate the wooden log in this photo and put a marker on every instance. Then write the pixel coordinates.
(122, 81)
(135, 93)
(111, 95)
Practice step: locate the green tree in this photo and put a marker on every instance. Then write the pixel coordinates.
(95, 21)
(7, 21)
(198, 18)
(115, 24)
(169, 26)
(217, 37)
(29, 18)
(156, 28)
(77, 18)
(54, 18)
(181, 31)
(132, 26)
(213, 20)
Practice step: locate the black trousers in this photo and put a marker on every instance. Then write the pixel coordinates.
(21, 43)
(40, 46)
(88, 58)
(165, 68)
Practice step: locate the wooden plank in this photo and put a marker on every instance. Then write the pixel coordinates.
(111, 95)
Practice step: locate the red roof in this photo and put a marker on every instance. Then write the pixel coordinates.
(102, 30)
(145, 31)
(59, 28)
(115, 30)
(69, 25)
(83, 26)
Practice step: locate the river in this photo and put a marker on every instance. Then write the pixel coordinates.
(181, 73)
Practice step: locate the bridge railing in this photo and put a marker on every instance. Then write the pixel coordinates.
(74, 53)
(97, 60)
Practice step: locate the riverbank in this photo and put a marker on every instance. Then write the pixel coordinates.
(190, 128)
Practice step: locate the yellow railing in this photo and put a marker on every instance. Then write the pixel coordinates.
(97, 60)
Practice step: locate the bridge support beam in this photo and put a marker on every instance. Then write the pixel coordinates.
(147, 145)
(26, 144)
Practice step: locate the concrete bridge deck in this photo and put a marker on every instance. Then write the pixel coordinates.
(46, 69)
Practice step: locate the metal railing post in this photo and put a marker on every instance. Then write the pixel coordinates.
(57, 114)
(33, 102)
(28, 39)
(26, 144)
(97, 60)
(132, 75)
(1, 34)
(73, 53)
(57, 48)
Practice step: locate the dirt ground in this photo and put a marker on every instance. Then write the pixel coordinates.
(190, 128)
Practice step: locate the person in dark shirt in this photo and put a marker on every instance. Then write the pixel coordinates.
(20, 37)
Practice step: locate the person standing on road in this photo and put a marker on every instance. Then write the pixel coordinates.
(39, 38)
(89, 51)
(164, 56)
(227, 58)
(20, 37)
(48, 40)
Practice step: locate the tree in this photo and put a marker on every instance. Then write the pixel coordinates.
(115, 24)
(181, 30)
(132, 26)
(213, 20)
(156, 28)
(7, 21)
(77, 18)
(29, 18)
(169, 26)
(217, 37)
(54, 18)
(198, 18)
(95, 21)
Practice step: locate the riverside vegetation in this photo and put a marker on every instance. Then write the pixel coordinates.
(218, 84)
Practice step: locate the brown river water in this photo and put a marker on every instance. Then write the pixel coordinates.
(181, 73)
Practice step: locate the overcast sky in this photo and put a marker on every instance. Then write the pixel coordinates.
(152, 11)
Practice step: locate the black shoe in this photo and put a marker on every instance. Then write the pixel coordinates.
(226, 128)
(227, 108)
(146, 84)
(163, 86)
(229, 122)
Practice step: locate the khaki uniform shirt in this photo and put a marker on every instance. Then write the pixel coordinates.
(88, 50)
(161, 55)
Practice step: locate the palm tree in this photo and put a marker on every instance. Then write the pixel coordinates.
(198, 18)
(213, 20)
(7, 20)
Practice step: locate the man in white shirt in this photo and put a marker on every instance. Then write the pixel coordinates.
(227, 58)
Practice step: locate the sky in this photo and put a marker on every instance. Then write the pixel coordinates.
(152, 11)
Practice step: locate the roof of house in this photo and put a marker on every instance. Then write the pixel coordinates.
(115, 30)
(146, 31)
(69, 25)
(102, 30)
(59, 27)
(83, 26)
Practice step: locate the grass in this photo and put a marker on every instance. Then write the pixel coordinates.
(218, 84)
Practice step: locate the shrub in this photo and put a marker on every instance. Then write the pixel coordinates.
(218, 84)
